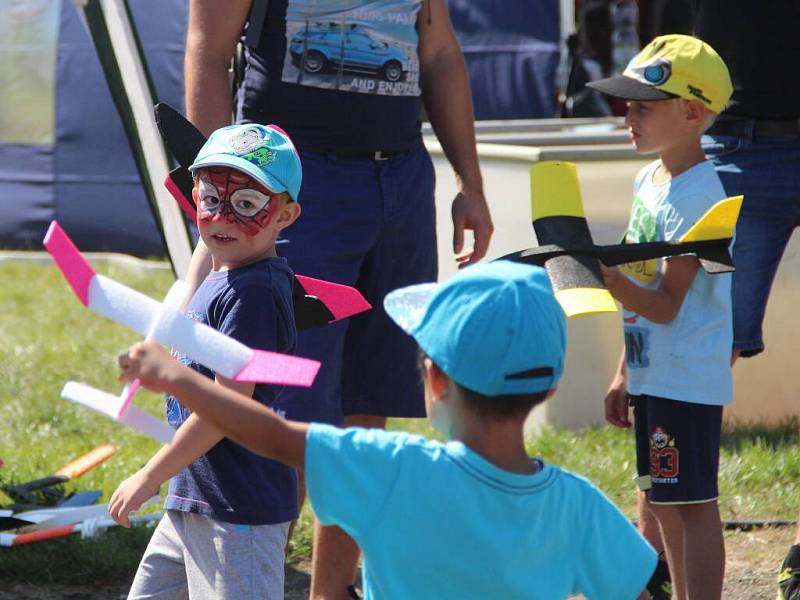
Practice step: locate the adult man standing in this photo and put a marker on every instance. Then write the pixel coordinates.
(347, 80)
(755, 147)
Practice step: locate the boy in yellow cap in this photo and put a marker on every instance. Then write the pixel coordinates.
(675, 368)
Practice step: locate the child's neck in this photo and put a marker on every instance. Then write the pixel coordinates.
(221, 265)
(678, 159)
(502, 443)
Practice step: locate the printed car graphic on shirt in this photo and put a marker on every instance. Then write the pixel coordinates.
(323, 48)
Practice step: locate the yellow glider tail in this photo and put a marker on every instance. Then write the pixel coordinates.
(557, 214)
(717, 223)
(578, 302)
(555, 191)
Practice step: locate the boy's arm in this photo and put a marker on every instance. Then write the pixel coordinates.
(660, 305)
(448, 102)
(199, 267)
(616, 400)
(234, 415)
(192, 440)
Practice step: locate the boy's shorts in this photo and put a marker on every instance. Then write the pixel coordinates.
(677, 449)
(369, 224)
(195, 556)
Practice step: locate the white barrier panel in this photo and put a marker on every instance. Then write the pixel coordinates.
(765, 389)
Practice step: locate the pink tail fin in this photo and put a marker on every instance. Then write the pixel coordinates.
(183, 202)
(342, 300)
(77, 271)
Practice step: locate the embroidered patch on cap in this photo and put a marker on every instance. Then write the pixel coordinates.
(245, 141)
(656, 72)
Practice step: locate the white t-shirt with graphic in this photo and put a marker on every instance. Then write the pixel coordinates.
(687, 359)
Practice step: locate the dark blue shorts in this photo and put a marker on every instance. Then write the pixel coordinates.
(372, 225)
(766, 169)
(677, 449)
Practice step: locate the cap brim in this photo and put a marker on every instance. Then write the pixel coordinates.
(406, 306)
(240, 164)
(628, 88)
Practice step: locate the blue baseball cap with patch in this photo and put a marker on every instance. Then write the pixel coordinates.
(495, 328)
(264, 152)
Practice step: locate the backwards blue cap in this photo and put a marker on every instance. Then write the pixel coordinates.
(495, 328)
(264, 152)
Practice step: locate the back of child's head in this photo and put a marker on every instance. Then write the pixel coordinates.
(495, 329)
(673, 66)
(264, 152)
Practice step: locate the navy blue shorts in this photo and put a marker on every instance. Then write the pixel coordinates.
(677, 449)
(372, 225)
(766, 169)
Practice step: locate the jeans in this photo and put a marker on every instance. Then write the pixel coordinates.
(766, 170)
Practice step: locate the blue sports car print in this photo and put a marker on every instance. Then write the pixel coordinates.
(350, 48)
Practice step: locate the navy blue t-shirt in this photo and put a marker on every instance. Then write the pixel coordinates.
(252, 304)
(337, 74)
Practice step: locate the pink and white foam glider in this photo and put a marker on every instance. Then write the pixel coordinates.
(164, 323)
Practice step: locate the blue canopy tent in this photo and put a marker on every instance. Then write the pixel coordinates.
(81, 172)
(512, 52)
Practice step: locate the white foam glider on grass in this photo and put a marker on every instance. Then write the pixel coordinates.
(87, 528)
(164, 323)
(56, 516)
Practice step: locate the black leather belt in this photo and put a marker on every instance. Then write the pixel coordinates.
(755, 127)
(376, 155)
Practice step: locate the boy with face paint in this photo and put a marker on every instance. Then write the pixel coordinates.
(227, 510)
(474, 517)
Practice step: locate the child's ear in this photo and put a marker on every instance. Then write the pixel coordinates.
(288, 212)
(436, 378)
(695, 111)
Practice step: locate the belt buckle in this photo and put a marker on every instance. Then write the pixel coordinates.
(380, 155)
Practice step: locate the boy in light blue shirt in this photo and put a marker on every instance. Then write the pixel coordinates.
(475, 517)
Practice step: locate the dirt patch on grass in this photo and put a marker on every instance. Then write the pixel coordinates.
(752, 566)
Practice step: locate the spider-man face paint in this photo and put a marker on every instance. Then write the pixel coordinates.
(233, 197)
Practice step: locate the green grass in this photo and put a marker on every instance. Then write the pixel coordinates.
(47, 337)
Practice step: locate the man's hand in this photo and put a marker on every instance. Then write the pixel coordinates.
(616, 402)
(151, 364)
(469, 211)
(129, 497)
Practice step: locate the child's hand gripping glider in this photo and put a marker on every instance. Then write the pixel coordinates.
(475, 517)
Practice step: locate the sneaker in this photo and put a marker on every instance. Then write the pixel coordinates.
(789, 575)
(660, 585)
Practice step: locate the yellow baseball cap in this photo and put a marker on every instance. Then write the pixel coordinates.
(673, 66)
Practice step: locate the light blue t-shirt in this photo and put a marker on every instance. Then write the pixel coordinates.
(438, 521)
(687, 359)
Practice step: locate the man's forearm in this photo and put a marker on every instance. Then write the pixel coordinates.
(448, 102)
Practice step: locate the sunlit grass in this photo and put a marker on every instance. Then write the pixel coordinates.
(47, 337)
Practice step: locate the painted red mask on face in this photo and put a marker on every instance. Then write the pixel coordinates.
(234, 197)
